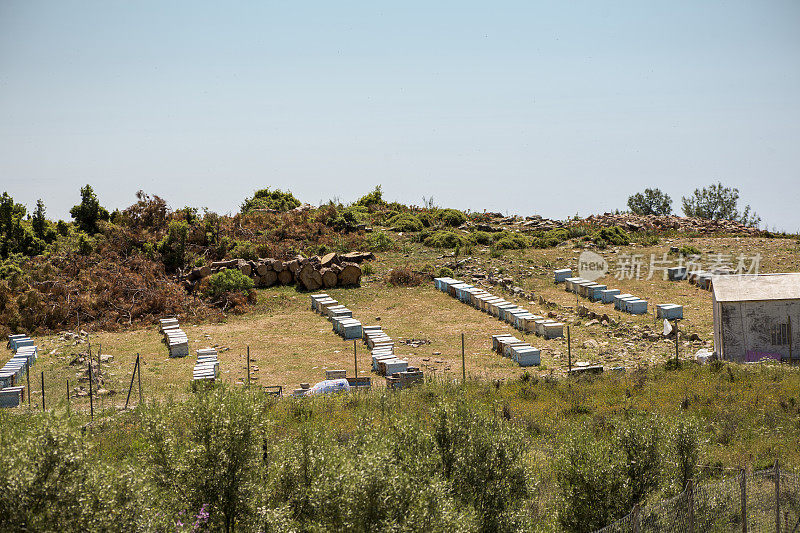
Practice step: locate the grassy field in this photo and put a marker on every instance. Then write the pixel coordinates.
(289, 344)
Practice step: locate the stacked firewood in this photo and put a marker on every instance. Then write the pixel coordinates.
(310, 273)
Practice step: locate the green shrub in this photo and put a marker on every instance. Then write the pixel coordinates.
(482, 460)
(215, 462)
(405, 222)
(378, 242)
(173, 246)
(62, 228)
(646, 238)
(426, 218)
(686, 447)
(445, 272)
(577, 231)
(227, 281)
(347, 219)
(451, 217)
(244, 250)
(613, 236)
(507, 240)
(550, 239)
(688, 249)
(445, 239)
(85, 244)
(276, 200)
(482, 237)
(601, 479)
(372, 200)
(368, 269)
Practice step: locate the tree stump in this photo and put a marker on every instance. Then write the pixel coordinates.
(310, 278)
(329, 278)
(285, 277)
(350, 275)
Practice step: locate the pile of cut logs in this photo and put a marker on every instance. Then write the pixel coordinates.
(310, 273)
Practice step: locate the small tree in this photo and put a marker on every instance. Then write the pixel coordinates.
(226, 281)
(373, 199)
(717, 202)
(650, 202)
(38, 220)
(89, 211)
(173, 246)
(276, 200)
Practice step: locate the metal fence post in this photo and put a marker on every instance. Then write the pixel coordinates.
(248, 365)
(91, 392)
(569, 352)
(690, 499)
(28, 377)
(777, 497)
(133, 376)
(743, 484)
(463, 362)
(43, 405)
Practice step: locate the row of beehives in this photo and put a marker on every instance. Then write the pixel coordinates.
(701, 278)
(519, 317)
(206, 368)
(340, 316)
(176, 340)
(381, 346)
(519, 351)
(627, 303)
(12, 393)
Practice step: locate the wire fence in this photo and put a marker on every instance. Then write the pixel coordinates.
(761, 501)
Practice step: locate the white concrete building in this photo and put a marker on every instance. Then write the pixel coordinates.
(754, 316)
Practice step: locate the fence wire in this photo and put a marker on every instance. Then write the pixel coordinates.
(765, 501)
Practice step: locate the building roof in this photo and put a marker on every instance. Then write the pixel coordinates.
(750, 287)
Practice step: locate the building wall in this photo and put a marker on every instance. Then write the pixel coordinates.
(745, 329)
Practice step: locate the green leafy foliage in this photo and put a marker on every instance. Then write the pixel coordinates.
(482, 237)
(378, 242)
(451, 217)
(274, 200)
(650, 202)
(405, 222)
(507, 240)
(40, 225)
(373, 200)
(688, 249)
(225, 282)
(89, 212)
(346, 219)
(551, 238)
(717, 202)
(602, 479)
(445, 239)
(244, 250)
(173, 246)
(612, 236)
(16, 235)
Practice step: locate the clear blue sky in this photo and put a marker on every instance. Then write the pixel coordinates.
(553, 108)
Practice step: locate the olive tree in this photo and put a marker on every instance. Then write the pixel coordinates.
(650, 202)
(717, 202)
